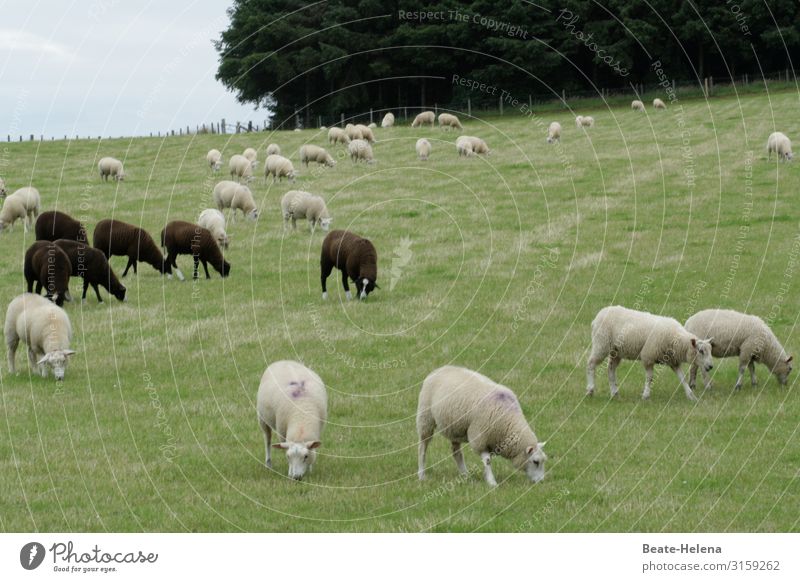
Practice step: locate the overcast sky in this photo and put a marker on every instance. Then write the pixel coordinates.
(112, 67)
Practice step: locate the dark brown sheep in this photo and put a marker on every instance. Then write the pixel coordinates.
(186, 238)
(53, 225)
(49, 267)
(92, 266)
(117, 238)
(355, 257)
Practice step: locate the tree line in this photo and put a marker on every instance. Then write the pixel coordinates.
(303, 59)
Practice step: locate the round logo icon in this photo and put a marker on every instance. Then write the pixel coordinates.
(31, 555)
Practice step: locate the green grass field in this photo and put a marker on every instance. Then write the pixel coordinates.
(508, 260)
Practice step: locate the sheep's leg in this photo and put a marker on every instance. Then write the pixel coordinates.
(458, 456)
(648, 381)
(11, 347)
(423, 449)
(752, 367)
(686, 388)
(205, 268)
(706, 380)
(693, 375)
(130, 264)
(597, 356)
(346, 286)
(96, 292)
(613, 362)
(85, 288)
(267, 443)
(486, 457)
(325, 269)
(30, 285)
(39, 287)
(171, 261)
(196, 263)
(742, 366)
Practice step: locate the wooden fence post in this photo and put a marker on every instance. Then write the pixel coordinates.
(469, 107)
(501, 105)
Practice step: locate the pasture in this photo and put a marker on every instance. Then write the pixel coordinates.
(498, 264)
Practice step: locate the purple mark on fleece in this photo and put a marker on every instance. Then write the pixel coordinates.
(298, 389)
(506, 398)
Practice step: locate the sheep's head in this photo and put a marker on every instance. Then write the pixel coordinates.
(364, 287)
(120, 177)
(325, 223)
(120, 292)
(223, 240)
(226, 268)
(253, 214)
(702, 353)
(782, 369)
(301, 457)
(57, 362)
(217, 165)
(534, 462)
(789, 156)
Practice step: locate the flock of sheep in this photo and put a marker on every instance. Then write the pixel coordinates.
(463, 405)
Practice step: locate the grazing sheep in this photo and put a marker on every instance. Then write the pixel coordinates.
(468, 407)
(323, 127)
(241, 168)
(185, 238)
(372, 125)
(449, 121)
(228, 194)
(312, 153)
(625, 334)
(637, 105)
(47, 265)
(423, 118)
(279, 167)
(111, 167)
(554, 132)
(338, 135)
(53, 225)
(2, 188)
(92, 266)
(388, 120)
(366, 133)
(298, 204)
(213, 220)
(734, 334)
(251, 155)
(479, 146)
(45, 328)
(579, 121)
(293, 403)
(423, 148)
(273, 148)
(359, 149)
(117, 238)
(584, 121)
(24, 204)
(464, 146)
(781, 145)
(659, 104)
(353, 131)
(355, 257)
(214, 159)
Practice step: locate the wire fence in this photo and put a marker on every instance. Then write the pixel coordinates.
(483, 105)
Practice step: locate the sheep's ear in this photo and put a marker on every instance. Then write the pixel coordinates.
(376, 285)
(313, 444)
(69, 352)
(44, 359)
(530, 450)
(694, 342)
(280, 446)
(789, 359)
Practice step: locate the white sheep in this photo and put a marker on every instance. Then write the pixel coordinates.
(111, 167)
(293, 403)
(584, 121)
(372, 125)
(228, 194)
(46, 329)
(423, 118)
(241, 168)
(353, 131)
(781, 145)
(449, 121)
(214, 221)
(464, 146)
(214, 159)
(625, 334)
(388, 120)
(659, 104)
(423, 148)
(299, 204)
(338, 135)
(312, 153)
(273, 148)
(279, 167)
(637, 105)
(468, 407)
(23, 204)
(251, 155)
(323, 127)
(554, 132)
(366, 133)
(360, 149)
(734, 334)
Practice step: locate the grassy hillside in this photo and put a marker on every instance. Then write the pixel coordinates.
(498, 264)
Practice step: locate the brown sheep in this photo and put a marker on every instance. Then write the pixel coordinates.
(355, 257)
(53, 225)
(92, 266)
(49, 267)
(186, 238)
(117, 238)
